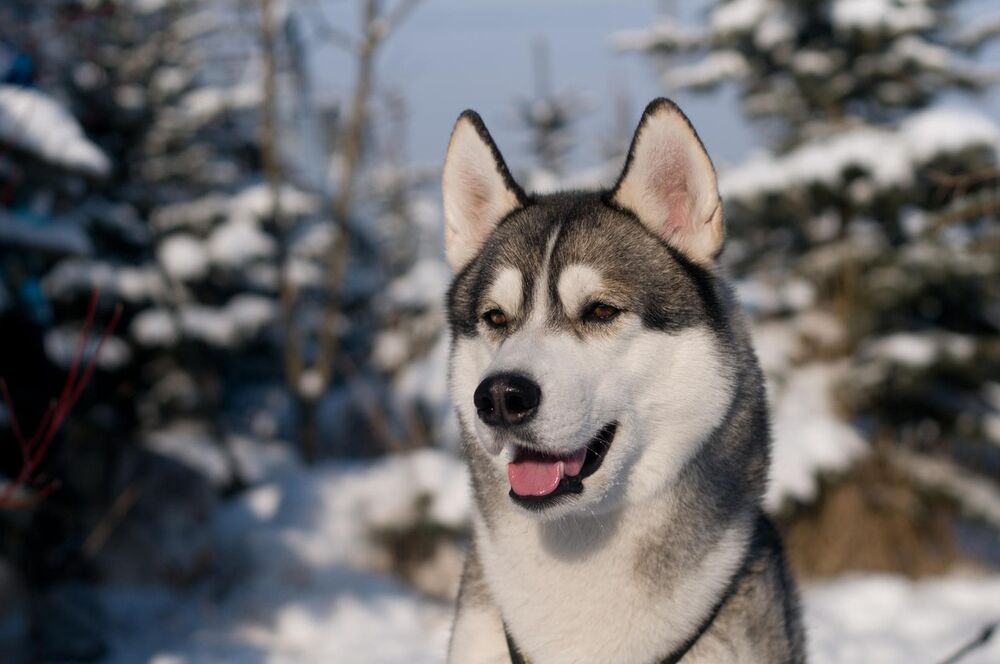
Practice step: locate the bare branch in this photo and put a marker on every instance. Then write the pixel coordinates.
(34, 449)
(396, 17)
(325, 30)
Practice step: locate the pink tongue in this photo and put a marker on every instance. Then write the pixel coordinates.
(534, 474)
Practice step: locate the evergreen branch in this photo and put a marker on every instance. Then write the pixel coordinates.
(976, 495)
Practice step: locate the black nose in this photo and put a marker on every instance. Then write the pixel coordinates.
(506, 399)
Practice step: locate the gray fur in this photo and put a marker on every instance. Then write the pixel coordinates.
(716, 497)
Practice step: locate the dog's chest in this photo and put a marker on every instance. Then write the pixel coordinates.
(563, 606)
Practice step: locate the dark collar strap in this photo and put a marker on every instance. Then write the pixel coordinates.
(678, 654)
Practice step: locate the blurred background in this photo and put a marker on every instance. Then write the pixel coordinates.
(225, 433)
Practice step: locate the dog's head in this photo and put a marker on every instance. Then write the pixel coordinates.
(588, 357)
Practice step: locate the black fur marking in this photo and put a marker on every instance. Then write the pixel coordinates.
(708, 289)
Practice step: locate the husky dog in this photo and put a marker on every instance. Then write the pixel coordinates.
(614, 417)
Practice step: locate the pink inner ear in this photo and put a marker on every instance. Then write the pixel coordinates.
(477, 197)
(667, 188)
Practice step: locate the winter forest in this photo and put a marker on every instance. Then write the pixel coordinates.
(225, 430)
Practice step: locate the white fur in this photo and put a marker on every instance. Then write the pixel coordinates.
(553, 597)
(507, 291)
(670, 185)
(477, 637)
(578, 285)
(470, 357)
(476, 197)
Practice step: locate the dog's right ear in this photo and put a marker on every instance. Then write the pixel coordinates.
(478, 190)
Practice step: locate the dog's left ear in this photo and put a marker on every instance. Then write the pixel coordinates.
(477, 187)
(669, 183)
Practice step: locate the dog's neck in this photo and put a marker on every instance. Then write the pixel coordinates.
(569, 589)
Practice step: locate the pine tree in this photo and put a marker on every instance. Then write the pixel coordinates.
(867, 237)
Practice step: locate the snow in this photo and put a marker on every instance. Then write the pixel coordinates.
(715, 67)
(74, 276)
(33, 121)
(914, 49)
(183, 257)
(154, 327)
(61, 344)
(193, 446)
(920, 350)
(251, 312)
(774, 30)
(763, 298)
(197, 214)
(248, 205)
(813, 62)
(664, 33)
(235, 243)
(810, 439)
(423, 285)
(889, 16)
(738, 16)
(300, 273)
(314, 240)
(209, 325)
(947, 130)
(242, 318)
(311, 384)
(301, 550)
(890, 620)
(205, 103)
(977, 33)
(890, 157)
(976, 494)
(306, 583)
(257, 202)
(425, 381)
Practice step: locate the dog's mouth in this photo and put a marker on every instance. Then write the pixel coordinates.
(537, 480)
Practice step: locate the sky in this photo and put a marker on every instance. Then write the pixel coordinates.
(453, 54)
(450, 55)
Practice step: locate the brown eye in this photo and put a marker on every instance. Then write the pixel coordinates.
(600, 312)
(495, 318)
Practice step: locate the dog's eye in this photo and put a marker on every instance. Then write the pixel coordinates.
(495, 318)
(599, 312)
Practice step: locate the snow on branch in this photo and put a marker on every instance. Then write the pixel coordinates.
(890, 157)
(978, 33)
(714, 68)
(664, 35)
(33, 121)
(739, 15)
(881, 16)
(976, 495)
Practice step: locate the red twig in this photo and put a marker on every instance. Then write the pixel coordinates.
(34, 449)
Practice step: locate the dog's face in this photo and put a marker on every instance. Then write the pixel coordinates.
(586, 358)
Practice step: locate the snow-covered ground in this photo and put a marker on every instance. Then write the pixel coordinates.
(301, 584)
